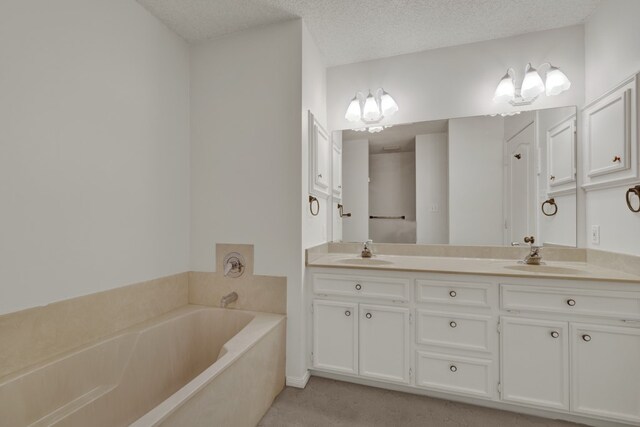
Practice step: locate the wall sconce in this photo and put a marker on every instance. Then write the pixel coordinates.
(371, 109)
(532, 86)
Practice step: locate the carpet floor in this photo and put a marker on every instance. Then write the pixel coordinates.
(332, 403)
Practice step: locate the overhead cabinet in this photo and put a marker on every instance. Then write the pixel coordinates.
(319, 158)
(561, 149)
(610, 133)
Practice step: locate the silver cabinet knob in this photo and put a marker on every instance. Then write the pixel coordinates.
(453, 324)
(452, 294)
(586, 338)
(571, 302)
(358, 286)
(555, 334)
(453, 368)
(319, 175)
(368, 315)
(347, 313)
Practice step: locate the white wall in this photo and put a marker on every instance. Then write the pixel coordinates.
(475, 181)
(246, 92)
(458, 81)
(392, 192)
(432, 189)
(94, 149)
(355, 190)
(612, 53)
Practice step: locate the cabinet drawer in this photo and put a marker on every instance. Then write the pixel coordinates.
(372, 287)
(454, 373)
(454, 293)
(614, 304)
(463, 331)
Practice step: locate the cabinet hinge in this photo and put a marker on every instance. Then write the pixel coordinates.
(499, 328)
(311, 308)
(410, 374)
(411, 318)
(500, 388)
(311, 357)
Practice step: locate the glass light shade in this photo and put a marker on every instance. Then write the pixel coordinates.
(371, 111)
(388, 105)
(532, 85)
(506, 89)
(353, 111)
(556, 82)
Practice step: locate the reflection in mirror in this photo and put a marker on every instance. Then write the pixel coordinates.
(487, 180)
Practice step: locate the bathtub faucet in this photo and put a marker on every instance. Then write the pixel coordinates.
(228, 299)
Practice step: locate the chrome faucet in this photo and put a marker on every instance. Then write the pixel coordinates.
(534, 257)
(366, 250)
(228, 299)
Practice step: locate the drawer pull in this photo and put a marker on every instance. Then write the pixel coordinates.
(358, 286)
(586, 338)
(347, 313)
(571, 302)
(555, 334)
(452, 294)
(368, 315)
(453, 324)
(453, 368)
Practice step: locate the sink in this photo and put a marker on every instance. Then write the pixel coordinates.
(548, 269)
(364, 261)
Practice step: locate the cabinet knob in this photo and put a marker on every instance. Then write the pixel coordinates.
(358, 286)
(552, 177)
(571, 302)
(586, 338)
(368, 315)
(555, 334)
(617, 159)
(453, 368)
(319, 175)
(453, 324)
(452, 294)
(347, 313)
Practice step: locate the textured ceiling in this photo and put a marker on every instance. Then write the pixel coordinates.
(401, 136)
(349, 31)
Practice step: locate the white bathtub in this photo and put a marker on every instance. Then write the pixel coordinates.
(194, 366)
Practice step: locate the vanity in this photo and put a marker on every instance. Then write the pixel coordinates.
(563, 337)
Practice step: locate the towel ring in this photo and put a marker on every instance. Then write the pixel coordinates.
(341, 211)
(311, 201)
(634, 190)
(550, 202)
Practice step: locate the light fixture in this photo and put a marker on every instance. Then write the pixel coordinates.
(532, 85)
(371, 109)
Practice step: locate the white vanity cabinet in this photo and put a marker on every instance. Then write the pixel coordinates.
(335, 337)
(605, 363)
(610, 125)
(319, 158)
(535, 362)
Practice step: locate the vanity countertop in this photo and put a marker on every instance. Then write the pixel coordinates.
(478, 266)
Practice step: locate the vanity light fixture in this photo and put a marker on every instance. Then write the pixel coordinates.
(532, 86)
(371, 109)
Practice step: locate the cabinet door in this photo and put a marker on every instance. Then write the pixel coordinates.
(384, 342)
(535, 362)
(605, 371)
(561, 153)
(319, 158)
(335, 336)
(337, 172)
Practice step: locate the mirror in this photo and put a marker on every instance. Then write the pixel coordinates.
(486, 180)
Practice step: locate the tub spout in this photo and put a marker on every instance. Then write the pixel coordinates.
(228, 299)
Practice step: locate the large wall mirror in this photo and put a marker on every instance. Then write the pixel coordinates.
(487, 180)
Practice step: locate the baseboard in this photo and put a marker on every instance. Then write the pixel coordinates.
(299, 382)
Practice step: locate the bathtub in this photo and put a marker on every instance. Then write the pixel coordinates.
(195, 366)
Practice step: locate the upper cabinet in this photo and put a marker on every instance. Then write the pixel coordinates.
(319, 158)
(610, 125)
(337, 172)
(561, 148)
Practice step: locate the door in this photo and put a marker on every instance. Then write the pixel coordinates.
(535, 362)
(384, 343)
(335, 336)
(520, 185)
(605, 371)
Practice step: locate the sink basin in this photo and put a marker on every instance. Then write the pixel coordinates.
(548, 269)
(364, 261)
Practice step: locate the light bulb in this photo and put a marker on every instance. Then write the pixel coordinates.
(532, 85)
(371, 111)
(506, 89)
(556, 82)
(388, 105)
(353, 111)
